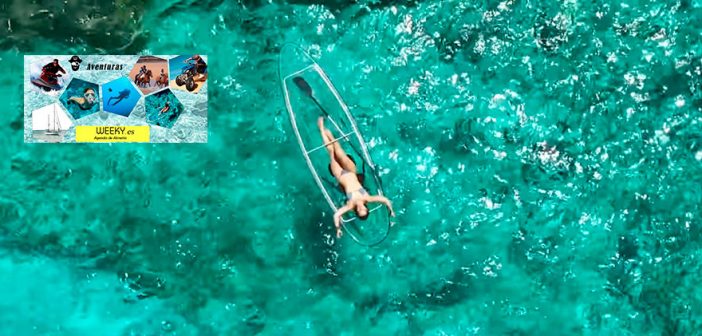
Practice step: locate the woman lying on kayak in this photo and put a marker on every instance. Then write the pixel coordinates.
(344, 170)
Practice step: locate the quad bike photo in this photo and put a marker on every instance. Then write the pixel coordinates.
(187, 77)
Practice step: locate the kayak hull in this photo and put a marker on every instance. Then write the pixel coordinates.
(304, 112)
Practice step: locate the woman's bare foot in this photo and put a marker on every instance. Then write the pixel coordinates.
(320, 123)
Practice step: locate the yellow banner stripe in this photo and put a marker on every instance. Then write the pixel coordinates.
(112, 134)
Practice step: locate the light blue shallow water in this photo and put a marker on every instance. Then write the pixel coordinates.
(543, 159)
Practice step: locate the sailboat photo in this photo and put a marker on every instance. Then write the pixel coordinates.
(50, 123)
(55, 127)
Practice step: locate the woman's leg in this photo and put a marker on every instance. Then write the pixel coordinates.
(340, 155)
(334, 166)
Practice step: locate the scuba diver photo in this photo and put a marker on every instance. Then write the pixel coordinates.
(188, 72)
(47, 74)
(120, 97)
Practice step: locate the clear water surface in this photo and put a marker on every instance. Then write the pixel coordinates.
(544, 159)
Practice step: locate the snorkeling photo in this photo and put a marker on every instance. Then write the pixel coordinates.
(81, 98)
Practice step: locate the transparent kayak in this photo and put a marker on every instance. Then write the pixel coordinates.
(309, 94)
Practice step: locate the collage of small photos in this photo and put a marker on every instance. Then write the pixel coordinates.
(76, 98)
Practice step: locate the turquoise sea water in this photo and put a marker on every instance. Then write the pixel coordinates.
(544, 161)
